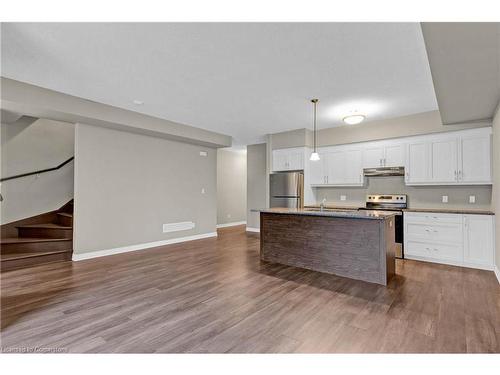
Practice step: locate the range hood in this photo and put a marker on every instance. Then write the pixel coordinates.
(384, 171)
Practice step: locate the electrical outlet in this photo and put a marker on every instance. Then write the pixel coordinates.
(203, 153)
(229, 216)
(445, 199)
(472, 199)
(343, 197)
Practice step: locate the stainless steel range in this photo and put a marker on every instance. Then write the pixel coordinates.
(390, 202)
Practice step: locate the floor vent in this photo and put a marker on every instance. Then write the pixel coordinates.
(175, 227)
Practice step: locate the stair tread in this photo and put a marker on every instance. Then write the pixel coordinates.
(5, 257)
(8, 240)
(45, 226)
(65, 214)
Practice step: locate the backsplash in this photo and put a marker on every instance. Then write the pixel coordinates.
(418, 196)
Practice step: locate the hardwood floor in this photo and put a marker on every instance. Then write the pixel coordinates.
(214, 295)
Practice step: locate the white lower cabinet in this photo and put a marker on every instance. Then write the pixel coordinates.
(463, 240)
(478, 240)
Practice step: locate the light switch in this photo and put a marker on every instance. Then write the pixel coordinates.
(202, 190)
(445, 199)
(343, 197)
(472, 199)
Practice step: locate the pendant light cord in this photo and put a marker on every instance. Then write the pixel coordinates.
(315, 101)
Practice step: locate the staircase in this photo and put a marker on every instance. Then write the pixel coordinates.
(38, 240)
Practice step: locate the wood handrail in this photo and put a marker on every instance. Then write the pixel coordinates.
(39, 171)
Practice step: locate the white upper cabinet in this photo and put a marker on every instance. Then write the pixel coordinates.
(383, 154)
(317, 170)
(338, 166)
(475, 161)
(353, 171)
(453, 158)
(288, 159)
(458, 158)
(373, 157)
(394, 155)
(417, 163)
(444, 156)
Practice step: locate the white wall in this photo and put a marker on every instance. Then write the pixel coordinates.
(128, 185)
(231, 186)
(27, 147)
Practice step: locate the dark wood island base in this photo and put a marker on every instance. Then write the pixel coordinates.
(354, 246)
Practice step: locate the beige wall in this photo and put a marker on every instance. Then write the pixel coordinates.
(421, 123)
(496, 183)
(256, 182)
(27, 147)
(292, 138)
(128, 185)
(231, 186)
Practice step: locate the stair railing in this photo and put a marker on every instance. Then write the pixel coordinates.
(38, 172)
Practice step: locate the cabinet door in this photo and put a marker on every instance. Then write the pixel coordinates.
(478, 240)
(280, 160)
(353, 167)
(296, 159)
(394, 156)
(444, 160)
(335, 162)
(373, 157)
(317, 170)
(475, 164)
(417, 166)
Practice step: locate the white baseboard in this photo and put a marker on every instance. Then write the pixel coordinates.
(250, 229)
(497, 273)
(233, 224)
(451, 262)
(142, 246)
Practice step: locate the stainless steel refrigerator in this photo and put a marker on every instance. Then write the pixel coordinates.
(287, 189)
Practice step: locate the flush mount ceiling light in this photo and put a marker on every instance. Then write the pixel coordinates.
(314, 155)
(354, 119)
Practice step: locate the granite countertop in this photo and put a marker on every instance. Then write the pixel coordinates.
(346, 213)
(465, 211)
(450, 211)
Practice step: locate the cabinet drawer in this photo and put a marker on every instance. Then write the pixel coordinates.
(441, 232)
(432, 218)
(434, 250)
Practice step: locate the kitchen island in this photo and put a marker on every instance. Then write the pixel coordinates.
(355, 244)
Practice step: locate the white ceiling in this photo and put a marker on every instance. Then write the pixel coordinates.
(243, 80)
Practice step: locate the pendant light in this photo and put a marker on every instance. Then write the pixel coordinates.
(314, 155)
